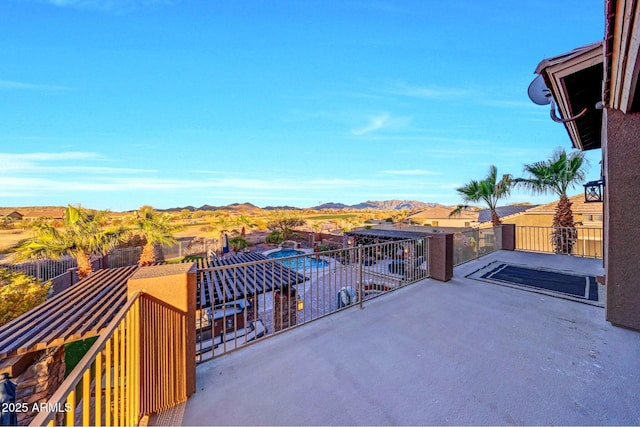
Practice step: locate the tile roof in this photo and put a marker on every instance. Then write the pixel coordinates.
(8, 211)
(442, 212)
(503, 211)
(387, 234)
(578, 206)
(45, 213)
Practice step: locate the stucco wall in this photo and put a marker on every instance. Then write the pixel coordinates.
(621, 153)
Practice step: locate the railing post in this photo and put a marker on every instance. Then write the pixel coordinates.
(477, 245)
(508, 237)
(174, 287)
(359, 275)
(441, 256)
(425, 254)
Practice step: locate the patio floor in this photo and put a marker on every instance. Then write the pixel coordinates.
(461, 352)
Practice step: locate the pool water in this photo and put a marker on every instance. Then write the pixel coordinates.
(300, 263)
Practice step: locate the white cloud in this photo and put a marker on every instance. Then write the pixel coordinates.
(374, 124)
(379, 122)
(409, 172)
(508, 104)
(107, 5)
(33, 162)
(433, 92)
(15, 85)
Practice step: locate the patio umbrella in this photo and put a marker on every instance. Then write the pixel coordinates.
(225, 244)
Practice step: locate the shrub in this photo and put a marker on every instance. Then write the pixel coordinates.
(274, 237)
(19, 293)
(238, 243)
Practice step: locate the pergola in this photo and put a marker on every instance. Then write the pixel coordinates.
(374, 236)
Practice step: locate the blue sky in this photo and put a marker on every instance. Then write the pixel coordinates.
(115, 104)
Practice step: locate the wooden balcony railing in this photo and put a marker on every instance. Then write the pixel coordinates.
(127, 373)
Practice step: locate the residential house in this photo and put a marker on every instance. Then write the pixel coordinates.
(44, 213)
(504, 212)
(10, 214)
(597, 94)
(439, 216)
(534, 226)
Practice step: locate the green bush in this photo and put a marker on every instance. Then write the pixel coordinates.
(238, 243)
(274, 237)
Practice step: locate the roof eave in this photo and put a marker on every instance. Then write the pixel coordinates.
(556, 70)
(622, 55)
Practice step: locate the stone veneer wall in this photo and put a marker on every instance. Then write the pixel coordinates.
(39, 381)
(285, 309)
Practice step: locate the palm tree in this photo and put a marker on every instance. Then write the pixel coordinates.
(157, 230)
(556, 175)
(489, 190)
(85, 234)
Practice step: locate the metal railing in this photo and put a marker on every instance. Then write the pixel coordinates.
(43, 269)
(249, 301)
(131, 370)
(472, 244)
(579, 241)
(122, 257)
(190, 247)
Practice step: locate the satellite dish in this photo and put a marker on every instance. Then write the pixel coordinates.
(538, 92)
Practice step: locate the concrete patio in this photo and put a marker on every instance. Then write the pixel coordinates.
(456, 353)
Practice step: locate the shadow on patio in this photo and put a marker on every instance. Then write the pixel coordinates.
(460, 352)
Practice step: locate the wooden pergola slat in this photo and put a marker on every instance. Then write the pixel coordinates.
(85, 309)
(79, 312)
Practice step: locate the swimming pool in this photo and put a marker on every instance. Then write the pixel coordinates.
(300, 263)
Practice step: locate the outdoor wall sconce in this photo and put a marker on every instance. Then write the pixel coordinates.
(593, 191)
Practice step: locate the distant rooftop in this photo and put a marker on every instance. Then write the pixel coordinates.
(387, 234)
(503, 211)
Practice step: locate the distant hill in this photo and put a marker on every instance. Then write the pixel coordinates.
(188, 208)
(281, 208)
(251, 208)
(332, 205)
(387, 205)
(236, 207)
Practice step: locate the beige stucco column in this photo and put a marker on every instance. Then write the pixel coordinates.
(621, 154)
(172, 286)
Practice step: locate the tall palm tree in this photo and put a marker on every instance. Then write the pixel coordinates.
(556, 175)
(157, 230)
(85, 234)
(488, 190)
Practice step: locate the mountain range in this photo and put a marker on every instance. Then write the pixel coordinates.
(369, 204)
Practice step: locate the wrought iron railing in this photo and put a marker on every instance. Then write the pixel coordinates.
(43, 269)
(241, 303)
(579, 241)
(472, 244)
